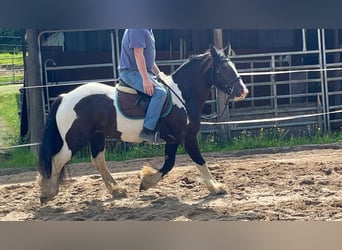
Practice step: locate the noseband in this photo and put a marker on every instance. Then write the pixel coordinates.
(231, 88)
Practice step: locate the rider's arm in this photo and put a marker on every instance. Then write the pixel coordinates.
(141, 64)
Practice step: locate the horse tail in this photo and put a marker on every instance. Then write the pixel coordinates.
(51, 143)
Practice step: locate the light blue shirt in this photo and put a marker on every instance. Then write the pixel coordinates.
(137, 38)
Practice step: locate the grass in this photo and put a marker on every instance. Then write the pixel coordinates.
(261, 139)
(278, 137)
(11, 59)
(9, 111)
(18, 158)
(9, 131)
(4, 80)
(11, 68)
(23, 158)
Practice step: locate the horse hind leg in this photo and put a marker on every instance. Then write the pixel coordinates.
(98, 159)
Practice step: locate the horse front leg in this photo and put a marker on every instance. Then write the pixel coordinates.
(151, 176)
(192, 148)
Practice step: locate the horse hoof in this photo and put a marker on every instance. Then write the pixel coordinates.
(43, 200)
(119, 193)
(218, 190)
(142, 187)
(149, 177)
(146, 183)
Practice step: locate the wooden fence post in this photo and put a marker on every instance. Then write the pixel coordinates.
(34, 97)
(221, 97)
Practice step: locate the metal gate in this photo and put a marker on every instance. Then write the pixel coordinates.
(281, 84)
(302, 88)
(11, 63)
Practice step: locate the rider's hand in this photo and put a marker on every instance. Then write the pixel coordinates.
(148, 87)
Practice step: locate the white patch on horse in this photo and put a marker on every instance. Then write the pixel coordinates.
(64, 122)
(232, 65)
(129, 128)
(245, 90)
(176, 99)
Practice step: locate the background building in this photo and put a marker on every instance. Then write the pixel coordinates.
(288, 72)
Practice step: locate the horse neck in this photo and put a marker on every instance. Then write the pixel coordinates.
(193, 80)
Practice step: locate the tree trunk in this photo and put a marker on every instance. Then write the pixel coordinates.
(34, 98)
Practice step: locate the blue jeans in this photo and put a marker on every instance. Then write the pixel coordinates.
(134, 79)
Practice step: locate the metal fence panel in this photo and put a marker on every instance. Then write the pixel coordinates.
(11, 61)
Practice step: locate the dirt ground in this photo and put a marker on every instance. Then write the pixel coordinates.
(299, 183)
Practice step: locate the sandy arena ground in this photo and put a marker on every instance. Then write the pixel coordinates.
(300, 183)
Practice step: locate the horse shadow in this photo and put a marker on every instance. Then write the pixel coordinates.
(159, 209)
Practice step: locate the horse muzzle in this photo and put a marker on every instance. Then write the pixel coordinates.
(242, 95)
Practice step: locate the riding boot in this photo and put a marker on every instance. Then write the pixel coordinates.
(151, 136)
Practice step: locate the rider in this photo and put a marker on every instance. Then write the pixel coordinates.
(137, 68)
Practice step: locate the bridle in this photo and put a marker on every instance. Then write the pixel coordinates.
(216, 71)
(228, 84)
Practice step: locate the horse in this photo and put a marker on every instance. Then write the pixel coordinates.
(89, 114)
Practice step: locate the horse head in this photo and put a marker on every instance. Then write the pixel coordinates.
(225, 76)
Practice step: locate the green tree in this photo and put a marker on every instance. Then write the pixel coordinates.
(10, 40)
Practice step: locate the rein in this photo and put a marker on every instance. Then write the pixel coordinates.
(229, 90)
(224, 109)
(169, 88)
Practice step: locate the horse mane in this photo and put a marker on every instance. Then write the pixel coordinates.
(191, 60)
(207, 54)
(199, 57)
(202, 58)
(52, 141)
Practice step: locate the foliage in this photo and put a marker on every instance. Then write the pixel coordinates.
(9, 114)
(10, 40)
(15, 59)
(11, 68)
(24, 158)
(18, 158)
(279, 137)
(264, 138)
(9, 32)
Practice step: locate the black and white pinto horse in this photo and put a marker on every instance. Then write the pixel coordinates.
(89, 114)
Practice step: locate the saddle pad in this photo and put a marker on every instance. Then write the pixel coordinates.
(126, 89)
(133, 104)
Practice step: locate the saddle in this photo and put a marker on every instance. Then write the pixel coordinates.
(133, 104)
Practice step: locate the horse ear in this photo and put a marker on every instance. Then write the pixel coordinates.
(213, 51)
(228, 51)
